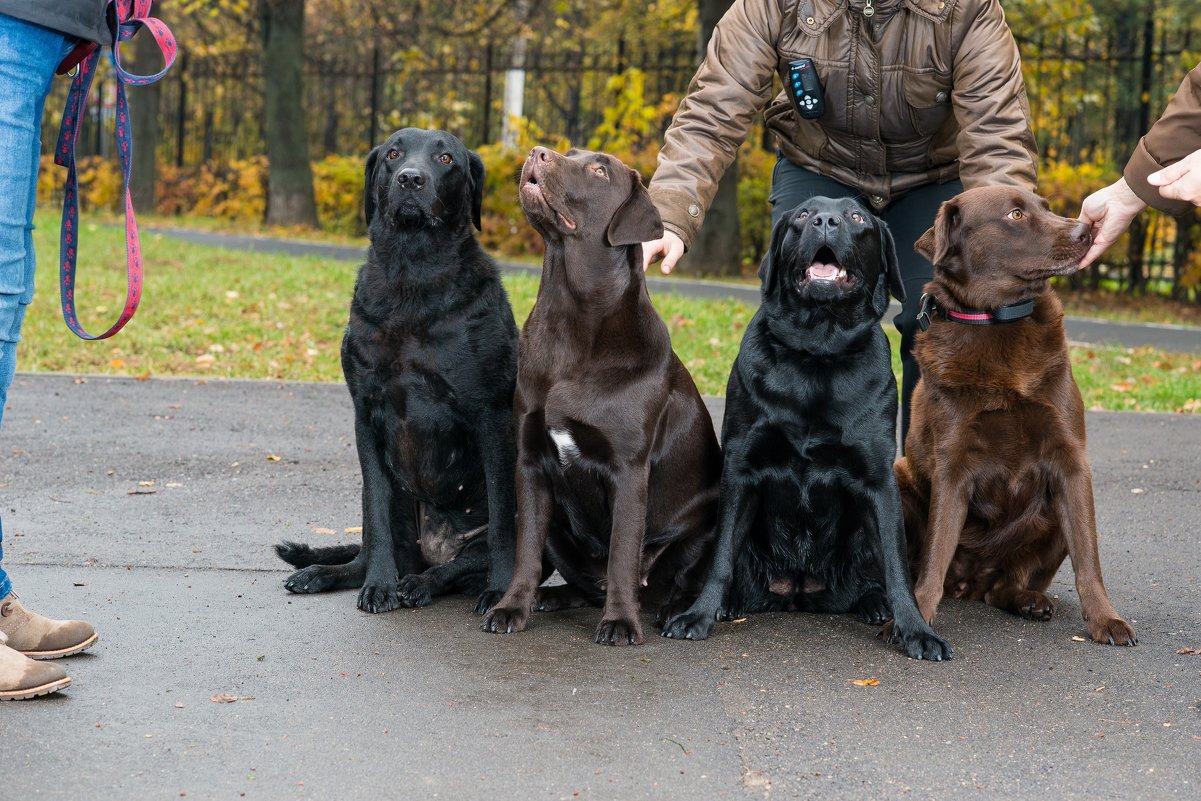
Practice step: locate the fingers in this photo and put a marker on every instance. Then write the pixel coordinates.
(1108, 211)
(670, 248)
(1180, 181)
(673, 250)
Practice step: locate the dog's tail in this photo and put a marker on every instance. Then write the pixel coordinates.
(300, 555)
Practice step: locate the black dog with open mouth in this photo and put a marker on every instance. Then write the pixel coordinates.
(430, 358)
(809, 511)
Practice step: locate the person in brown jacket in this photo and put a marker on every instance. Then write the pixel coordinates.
(1164, 172)
(922, 99)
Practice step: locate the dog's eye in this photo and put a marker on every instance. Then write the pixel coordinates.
(601, 171)
(803, 215)
(1016, 214)
(857, 217)
(393, 154)
(445, 158)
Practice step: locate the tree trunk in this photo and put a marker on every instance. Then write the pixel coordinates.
(289, 175)
(143, 122)
(718, 247)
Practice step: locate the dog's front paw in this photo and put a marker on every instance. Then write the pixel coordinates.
(488, 599)
(1033, 605)
(620, 631)
(376, 598)
(872, 607)
(414, 590)
(505, 619)
(691, 625)
(315, 578)
(1113, 631)
(918, 642)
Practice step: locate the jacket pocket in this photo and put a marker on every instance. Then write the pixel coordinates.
(928, 97)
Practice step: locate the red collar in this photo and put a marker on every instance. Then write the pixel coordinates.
(1001, 314)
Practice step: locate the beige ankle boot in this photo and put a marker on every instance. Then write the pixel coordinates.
(21, 677)
(41, 638)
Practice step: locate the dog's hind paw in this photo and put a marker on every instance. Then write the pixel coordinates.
(619, 632)
(1113, 631)
(487, 599)
(872, 607)
(690, 626)
(504, 620)
(377, 598)
(316, 578)
(414, 590)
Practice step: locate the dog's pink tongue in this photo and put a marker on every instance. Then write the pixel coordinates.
(822, 272)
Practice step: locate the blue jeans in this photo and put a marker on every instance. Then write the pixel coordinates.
(908, 217)
(28, 56)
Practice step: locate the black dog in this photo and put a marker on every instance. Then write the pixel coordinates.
(618, 464)
(810, 514)
(430, 357)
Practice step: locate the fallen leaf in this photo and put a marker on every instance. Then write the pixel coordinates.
(1190, 651)
(179, 706)
(317, 530)
(354, 530)
(226, 698)
(1137, 491)
(865, 682)
(145, 483)
(271, 457)
(739, 620)
(1078, 638)
(117, 363)
(1122, 386)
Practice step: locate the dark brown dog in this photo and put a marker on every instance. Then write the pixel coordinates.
(618, 465)
(996, 485)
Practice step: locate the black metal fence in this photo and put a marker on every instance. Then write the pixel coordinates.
(211, 107)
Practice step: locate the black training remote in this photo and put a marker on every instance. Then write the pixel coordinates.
(805, 89)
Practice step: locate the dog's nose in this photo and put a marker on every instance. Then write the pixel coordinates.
(411, 179)
(1080, 232)
(540, 153)
(826, 221)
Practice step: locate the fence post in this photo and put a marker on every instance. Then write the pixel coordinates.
(373, 124)
(487, 94)
(181, 111)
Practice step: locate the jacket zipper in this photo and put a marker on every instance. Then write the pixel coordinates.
(868, 11)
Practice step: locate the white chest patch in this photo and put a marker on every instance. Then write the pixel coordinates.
(565, 444)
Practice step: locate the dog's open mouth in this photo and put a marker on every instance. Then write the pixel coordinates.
(533, 189)
(825, 267)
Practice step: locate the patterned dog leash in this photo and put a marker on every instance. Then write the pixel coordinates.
(130, 16)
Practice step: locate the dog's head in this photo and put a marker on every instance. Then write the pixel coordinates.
(589, 196)
(827, 252)
(996, 245)
(423, 179)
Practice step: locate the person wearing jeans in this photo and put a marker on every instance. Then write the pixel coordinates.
(35, 36)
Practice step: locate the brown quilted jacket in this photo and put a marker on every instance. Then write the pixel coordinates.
(919, 92)
(1174, 136)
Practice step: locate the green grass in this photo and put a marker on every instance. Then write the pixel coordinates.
(216, 313)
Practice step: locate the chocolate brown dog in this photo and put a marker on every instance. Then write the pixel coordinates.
(996, 485)
(618, 465)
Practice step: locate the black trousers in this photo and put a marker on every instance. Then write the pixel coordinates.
(908, 217)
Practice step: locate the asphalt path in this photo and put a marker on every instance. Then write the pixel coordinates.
(150, 507)
(1181, 339)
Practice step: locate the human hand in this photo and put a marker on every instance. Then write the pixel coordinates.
(1181, 181)
(1108, 212)
(670, 247)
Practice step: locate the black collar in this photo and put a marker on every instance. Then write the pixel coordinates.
(1001, 314)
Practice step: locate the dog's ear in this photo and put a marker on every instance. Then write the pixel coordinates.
(769, 266)
(636, 220)
(890, 262)
(475, 186)
(939, 242)
(369, 185)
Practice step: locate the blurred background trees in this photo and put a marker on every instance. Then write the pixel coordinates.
(249, 126)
